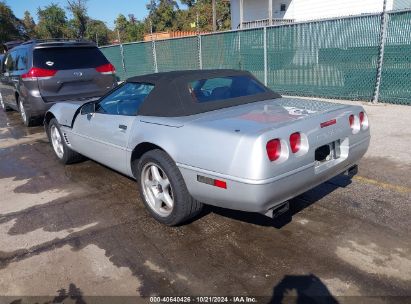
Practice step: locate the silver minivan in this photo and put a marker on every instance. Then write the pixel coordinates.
(39, 73)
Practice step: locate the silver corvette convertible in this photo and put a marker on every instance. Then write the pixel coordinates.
(216, 137)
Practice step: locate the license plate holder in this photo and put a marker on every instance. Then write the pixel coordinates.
(327, 153)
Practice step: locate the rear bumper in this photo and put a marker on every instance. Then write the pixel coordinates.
(36, 106)
(262, 195)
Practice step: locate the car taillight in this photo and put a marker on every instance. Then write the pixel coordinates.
(363, 120)
(38, 73)
(361, 117)
(106, 69)
(273, 149)
(295, 142)
(351, 120)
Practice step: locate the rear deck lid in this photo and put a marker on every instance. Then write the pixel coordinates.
(80, 72)
(265, 115)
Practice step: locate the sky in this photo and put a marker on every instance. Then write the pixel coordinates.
(105, 10)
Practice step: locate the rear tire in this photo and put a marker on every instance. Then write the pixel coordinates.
(28, 120)
(163, 190)
(64, 154)
(3, 105)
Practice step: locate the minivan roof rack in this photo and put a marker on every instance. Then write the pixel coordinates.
(57, 40)
(11, 44)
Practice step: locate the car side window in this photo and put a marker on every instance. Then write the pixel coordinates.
(125, 100)
(21, 60)
(222, 88)
(9, 63)
(2, 69)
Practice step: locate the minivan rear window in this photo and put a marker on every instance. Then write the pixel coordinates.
(67, 58)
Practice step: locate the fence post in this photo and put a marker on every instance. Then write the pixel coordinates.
(121, 51)
(239, 49)
(265, 57)
(383, 36)
(153, 49)
(200, 53)
(154, 56)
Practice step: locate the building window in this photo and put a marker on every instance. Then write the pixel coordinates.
(283, 7)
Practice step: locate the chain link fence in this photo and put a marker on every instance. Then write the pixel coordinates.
(334, 58)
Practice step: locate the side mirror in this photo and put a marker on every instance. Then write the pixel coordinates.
(88, 108)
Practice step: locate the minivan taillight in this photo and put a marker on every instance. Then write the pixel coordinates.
(273, 149)
(106, 69)
(295, 142)
(38, 73)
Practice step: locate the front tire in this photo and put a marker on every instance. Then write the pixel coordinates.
(163, 190)
(60, 148)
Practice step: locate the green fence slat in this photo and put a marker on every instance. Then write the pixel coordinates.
(138, 59)
(252, 52)
(396, 68)
(221, 51)
(330, 58)
(177, 54)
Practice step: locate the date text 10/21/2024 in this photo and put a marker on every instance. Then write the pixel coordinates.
(205, 299)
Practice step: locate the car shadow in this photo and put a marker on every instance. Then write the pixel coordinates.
(307, 289)
(296, 205)
(73, 293)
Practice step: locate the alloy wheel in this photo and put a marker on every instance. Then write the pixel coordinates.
(2, 102)
(56, 141)
(23, 112)
(157, 189)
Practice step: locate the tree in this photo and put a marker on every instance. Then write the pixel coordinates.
(52, 22)
(97, 31)
(29, 25)
(11, 27)
(78, 9)
(205, 11)
(130, 30)
(162, 15)
(165, 15)
(189, 3)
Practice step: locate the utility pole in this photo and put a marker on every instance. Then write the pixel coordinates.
(214, 16)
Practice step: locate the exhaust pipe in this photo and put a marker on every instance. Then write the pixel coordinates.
(278, 210)
(351, 171)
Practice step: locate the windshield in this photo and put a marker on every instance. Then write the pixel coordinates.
(221, 88)
(126, 100)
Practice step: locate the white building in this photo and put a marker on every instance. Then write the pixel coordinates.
(256, 13)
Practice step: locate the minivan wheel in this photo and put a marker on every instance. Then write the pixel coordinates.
(28, 120)
(163, 190)
(60, 148)
(3, 105)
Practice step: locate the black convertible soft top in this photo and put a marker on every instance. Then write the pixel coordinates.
(171, 95)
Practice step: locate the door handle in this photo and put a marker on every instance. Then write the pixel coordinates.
(122, 127)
